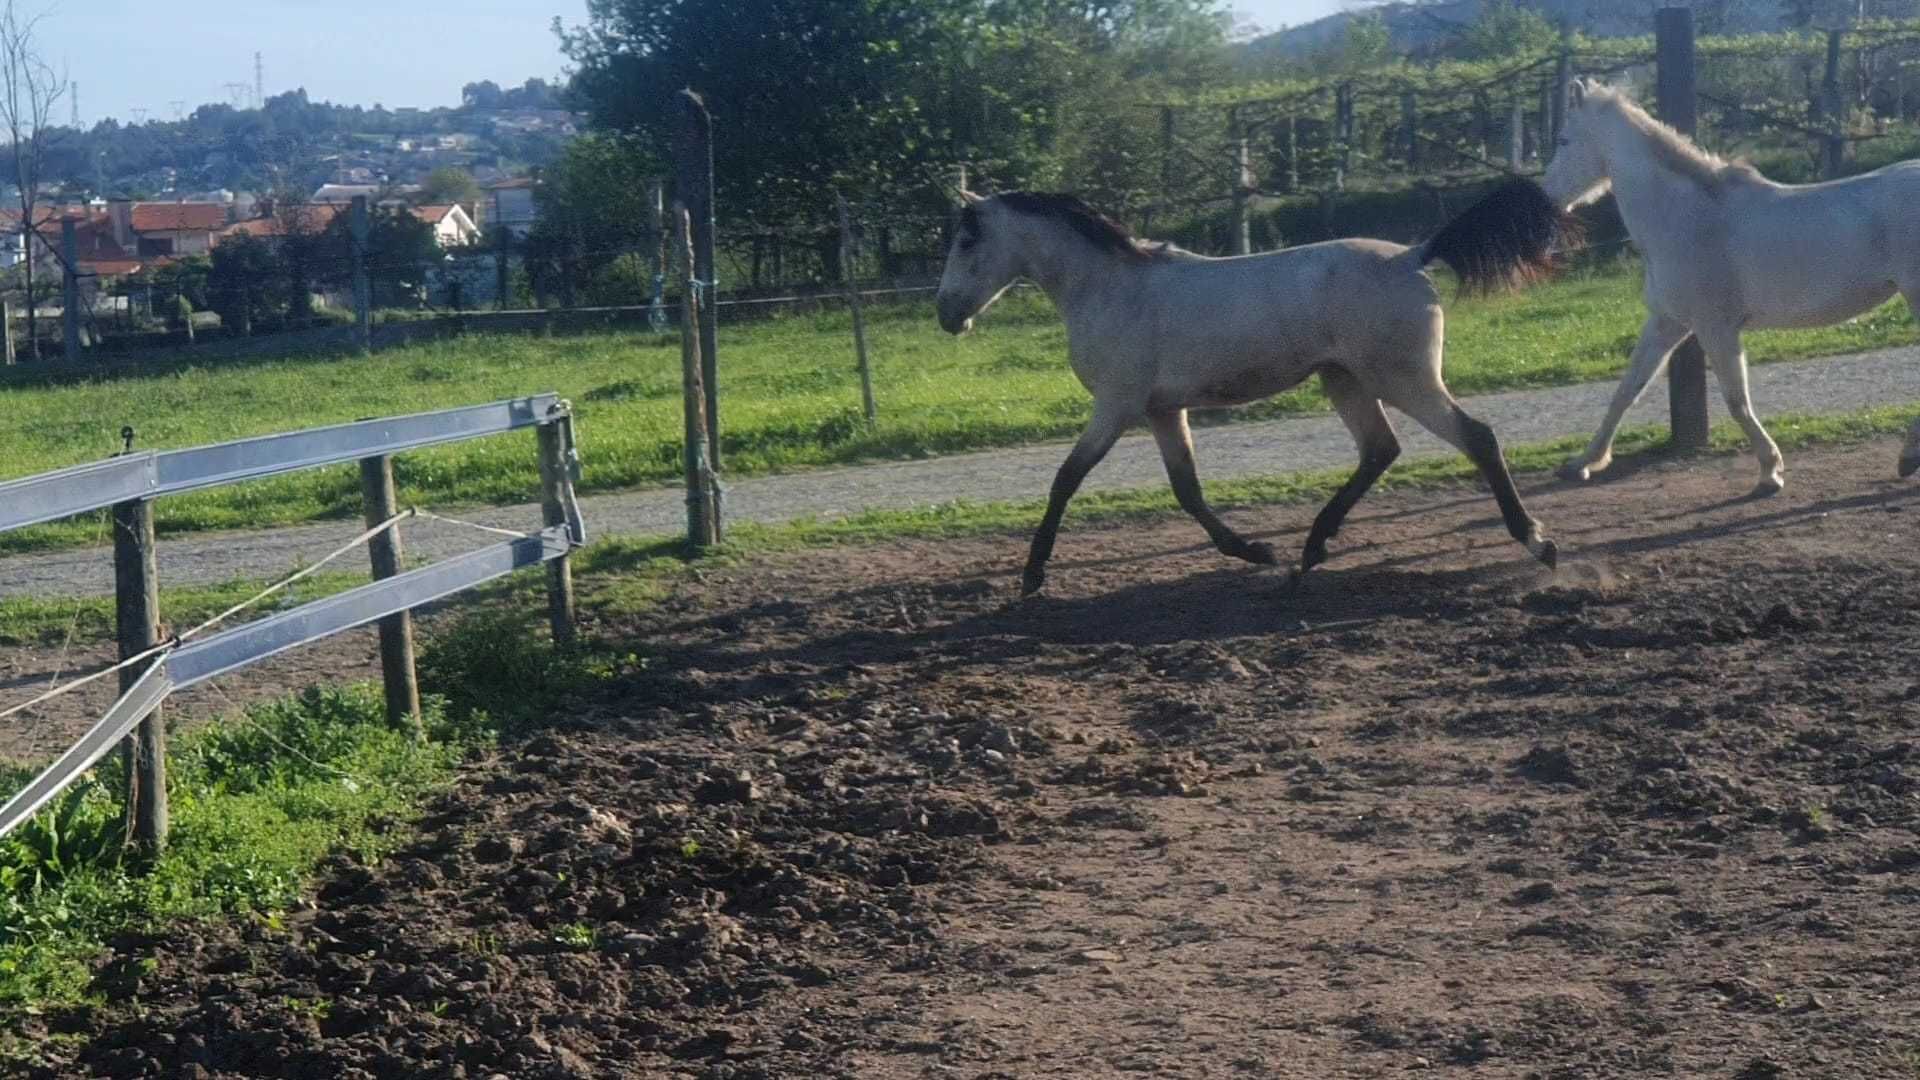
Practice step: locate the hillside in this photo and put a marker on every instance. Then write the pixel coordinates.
(1426, 27)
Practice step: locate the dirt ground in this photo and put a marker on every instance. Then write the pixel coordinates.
(865, 814)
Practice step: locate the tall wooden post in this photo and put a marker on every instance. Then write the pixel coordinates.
(379, 502)
(693, 181)
(853, 301)
(70, 288)
(1833, 107)
(1242, 238)
(1516, 136)
(362, 287)
(6, 326)
(1342, 134)
(556, 490)
(702, 514)
(1687, 371)
(502, 280)
(1166, 155)
(1293, 154)
(1562, 96)
(136, 582)
(1410, 128)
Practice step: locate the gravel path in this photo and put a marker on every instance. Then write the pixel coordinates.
(1833, 384)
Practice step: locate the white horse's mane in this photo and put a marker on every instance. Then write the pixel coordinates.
(1679, 153)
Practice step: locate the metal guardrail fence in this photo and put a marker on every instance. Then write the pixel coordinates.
(130, 482)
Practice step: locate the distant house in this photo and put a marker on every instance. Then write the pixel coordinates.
(271, 226)
(153, 229)
(452, 227)
(376, 194)
(509, 203)
(122, 239)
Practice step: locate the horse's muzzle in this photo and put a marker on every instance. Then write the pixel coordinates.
(955, 324)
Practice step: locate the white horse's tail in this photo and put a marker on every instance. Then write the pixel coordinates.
(1503, 241)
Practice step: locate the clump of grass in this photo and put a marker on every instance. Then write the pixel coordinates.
(256, 803)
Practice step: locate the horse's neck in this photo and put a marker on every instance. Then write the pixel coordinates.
(1068, 269)
(1653, 196)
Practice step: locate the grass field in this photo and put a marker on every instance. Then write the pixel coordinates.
(790, 397)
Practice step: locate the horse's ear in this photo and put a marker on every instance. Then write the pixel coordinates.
(968, 198)
(1578, 92)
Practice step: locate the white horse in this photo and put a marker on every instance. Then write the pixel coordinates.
(1153, 331)
(1727, 249)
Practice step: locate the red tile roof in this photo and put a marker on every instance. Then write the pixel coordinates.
(178, 217)
(432, 215)
(314, 217)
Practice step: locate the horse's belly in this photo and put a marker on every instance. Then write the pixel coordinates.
(1818, 306)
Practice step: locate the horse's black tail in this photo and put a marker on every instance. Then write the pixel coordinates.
(1503, 241)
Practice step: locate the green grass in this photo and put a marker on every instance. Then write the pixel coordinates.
(790, 397)
(29, 620)
(256, 803)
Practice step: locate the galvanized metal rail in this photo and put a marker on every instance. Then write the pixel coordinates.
(133, 480)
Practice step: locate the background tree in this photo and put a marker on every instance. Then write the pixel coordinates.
(449, 184)
(29, 92)
(246, 283)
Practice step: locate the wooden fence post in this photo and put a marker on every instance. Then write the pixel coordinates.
(1293, 153)
(70, 288)
(693, 171)
(362, 288)
(1517, 136)
(1166, 155)
(703, 516)
(853, 301)
(1687, 371)
(1562, 96)
(556, 483)
(6, 325)
(136, 582)
(379, 502)
(502, 280)
(1410, 128)
(1833, 155)
(1342, 134)
(1241, 229)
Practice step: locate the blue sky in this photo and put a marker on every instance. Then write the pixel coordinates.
(398, 52)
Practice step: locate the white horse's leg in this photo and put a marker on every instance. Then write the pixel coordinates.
(1659, 336)
(1176, 450)
(1910, 454)
(1426, 399)
(1373, 434)
(1729, 359)
(1102, 431)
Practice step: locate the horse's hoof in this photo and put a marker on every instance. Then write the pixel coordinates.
(1909, 464)
(1312, 557)
(1575, 470)
(1032, 581)
(1768, 487)
(1259, 553)
(1549, 553)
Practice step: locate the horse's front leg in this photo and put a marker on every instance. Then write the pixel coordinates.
(1176, 451)
(1659, 336)
(1730, 367)
(1101, 433)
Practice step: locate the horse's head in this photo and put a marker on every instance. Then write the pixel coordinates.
(1578, 173)
(982, 262)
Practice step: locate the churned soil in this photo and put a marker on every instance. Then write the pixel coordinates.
(861, 812)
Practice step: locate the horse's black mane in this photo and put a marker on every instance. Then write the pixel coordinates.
(1102, 231)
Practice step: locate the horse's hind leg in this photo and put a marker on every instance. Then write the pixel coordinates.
(1094, 443)
(1659, 336)
(1373, 434)
(1176, 450)
(1429, 403)
(1730, 367)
